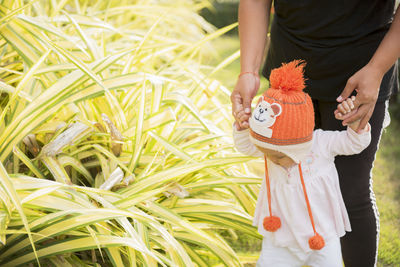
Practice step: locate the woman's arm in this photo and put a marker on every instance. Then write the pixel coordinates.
(368, 79)
(253, 28)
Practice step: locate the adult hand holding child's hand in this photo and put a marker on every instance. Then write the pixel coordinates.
(246, 88)
(366, 82)
(344, 109)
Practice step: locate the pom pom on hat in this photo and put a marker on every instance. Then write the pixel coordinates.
(288, 77)
(272, 223)
(316, 242)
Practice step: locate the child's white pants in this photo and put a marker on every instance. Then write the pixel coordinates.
(329, 256)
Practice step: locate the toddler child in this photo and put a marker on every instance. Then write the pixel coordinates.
(300, 211)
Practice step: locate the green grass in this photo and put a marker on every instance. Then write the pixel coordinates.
(386, 173)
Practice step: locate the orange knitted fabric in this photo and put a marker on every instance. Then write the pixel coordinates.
(316, 242)
(295, 123)
(271, 223)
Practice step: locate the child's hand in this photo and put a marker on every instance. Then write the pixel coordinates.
(344, 108)
(347, 107)
(237, 126)
(242, 116)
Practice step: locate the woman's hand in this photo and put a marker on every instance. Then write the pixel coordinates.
(366, 83)
(246, 88)
(367, 80)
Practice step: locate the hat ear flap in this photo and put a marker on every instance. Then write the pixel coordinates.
(277, 109)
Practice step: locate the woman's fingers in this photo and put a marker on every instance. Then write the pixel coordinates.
(236, 100)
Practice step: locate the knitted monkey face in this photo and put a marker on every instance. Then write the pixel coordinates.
(264, 116)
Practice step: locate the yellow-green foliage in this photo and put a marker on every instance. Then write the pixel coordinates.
(114, 139)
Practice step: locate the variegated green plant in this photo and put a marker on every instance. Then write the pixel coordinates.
(115, 142)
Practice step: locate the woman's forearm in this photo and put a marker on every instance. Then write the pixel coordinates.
(253, 28)
(389, 49)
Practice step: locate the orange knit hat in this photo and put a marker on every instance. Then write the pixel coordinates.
(284, 121)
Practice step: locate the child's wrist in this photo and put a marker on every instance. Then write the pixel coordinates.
(365, 129)
(355, 124)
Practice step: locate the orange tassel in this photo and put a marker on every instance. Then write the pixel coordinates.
(272, 223)
(316, 242)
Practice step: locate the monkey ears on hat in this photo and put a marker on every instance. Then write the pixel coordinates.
(275, 107)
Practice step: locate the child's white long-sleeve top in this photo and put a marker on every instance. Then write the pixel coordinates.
(322, 185)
